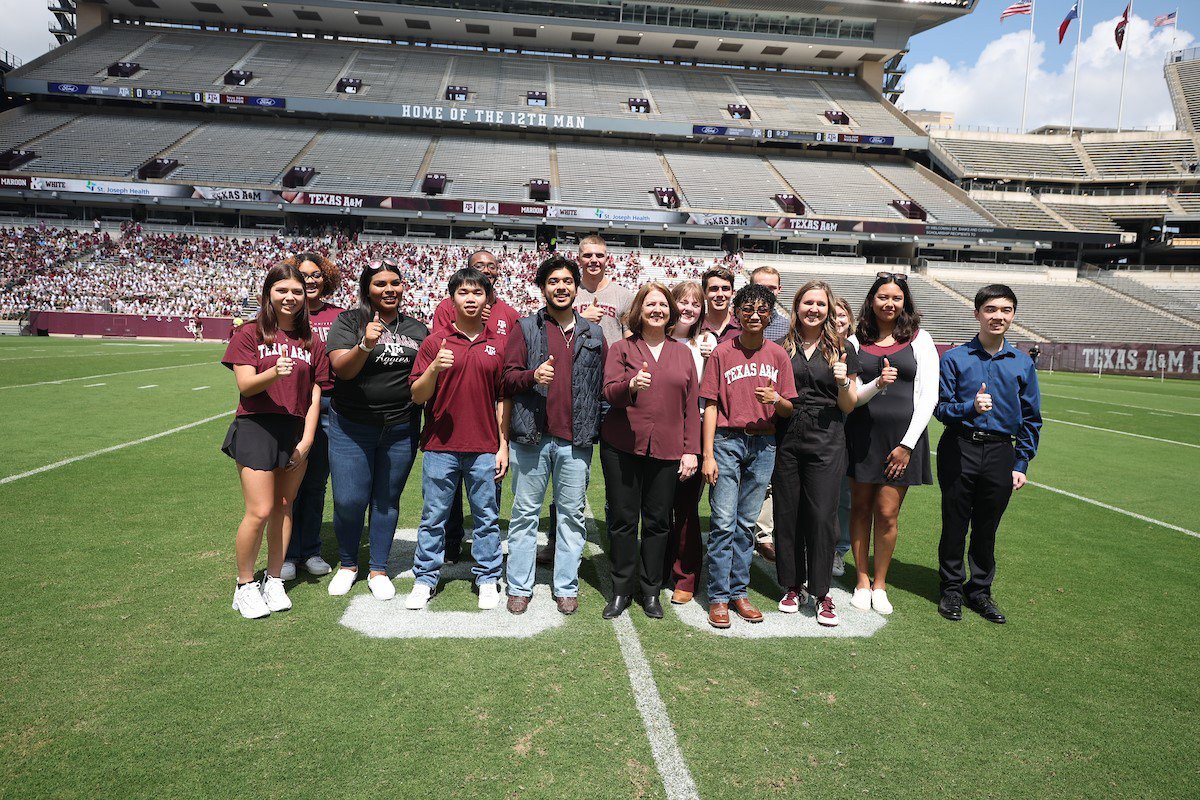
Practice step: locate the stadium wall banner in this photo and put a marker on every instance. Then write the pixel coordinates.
(152, 326)
(616, 215)
(1117, 358)
(109, 187)
(239, 195)
(339, 200)
(165, 95)
(14, 182)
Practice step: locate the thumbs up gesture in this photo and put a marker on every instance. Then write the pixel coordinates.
(374, 331)
(888, 374)
(444, 360)
(283, 366)
(767, 394)
(594, 312)
(839, 369)
(641, 380)
(983, 400)
(544, 374)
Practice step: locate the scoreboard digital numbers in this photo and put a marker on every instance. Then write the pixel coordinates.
(165, 96)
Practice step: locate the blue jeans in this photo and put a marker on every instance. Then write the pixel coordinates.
(454, 525)
(744, 466)
(440, 474)
(533, 466)
(309, 509)
(369, 465)
(843, 542)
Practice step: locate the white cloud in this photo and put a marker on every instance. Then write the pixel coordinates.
(988, 93)
(24, 31)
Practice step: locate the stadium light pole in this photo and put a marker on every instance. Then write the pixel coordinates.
(1028, 62)
(1075, 80)
(1124, 67)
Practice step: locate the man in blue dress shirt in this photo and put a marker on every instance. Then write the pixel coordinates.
(990, 404)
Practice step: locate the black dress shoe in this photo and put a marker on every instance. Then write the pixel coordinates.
(950, 607)
(616, 607)
(652, 607)
(986, 608)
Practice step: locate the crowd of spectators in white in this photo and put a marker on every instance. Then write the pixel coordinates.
(175, 274)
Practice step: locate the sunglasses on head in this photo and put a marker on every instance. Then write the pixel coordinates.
(384, 263)
(895, 277)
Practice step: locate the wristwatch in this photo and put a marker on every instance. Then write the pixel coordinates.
(845, 385)
(362, 345)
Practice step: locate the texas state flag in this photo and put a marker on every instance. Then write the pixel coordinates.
(1066, 23)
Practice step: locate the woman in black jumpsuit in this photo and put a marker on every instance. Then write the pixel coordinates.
(811, 459)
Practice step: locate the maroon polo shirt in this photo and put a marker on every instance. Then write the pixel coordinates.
(732, 330)
(518, 377)
(661, 421)
(461, 415)
(733, 373)
(501, 321)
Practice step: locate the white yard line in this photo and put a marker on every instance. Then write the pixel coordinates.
(1121, 413)
(92, 354)
(1121, 433)
(149, 386)
(1117, 509)
(93, 385)
(198, 388)
(103, 375)
(112, 449)
(676, 777)
(1073, 411)
(1122, 405)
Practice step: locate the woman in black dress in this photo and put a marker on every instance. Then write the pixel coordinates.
(811, 459)
(887, 439)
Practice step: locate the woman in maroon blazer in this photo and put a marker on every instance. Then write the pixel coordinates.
(648, 442)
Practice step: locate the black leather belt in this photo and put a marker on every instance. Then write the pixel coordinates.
(751, 431)
(972, 435)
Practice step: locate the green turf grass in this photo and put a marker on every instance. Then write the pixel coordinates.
(126, 673)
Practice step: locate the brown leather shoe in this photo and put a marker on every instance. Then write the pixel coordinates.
(766, 550)
(567, 605)
(718, 615)
(681, 598)
(517, 604)
(746, 611)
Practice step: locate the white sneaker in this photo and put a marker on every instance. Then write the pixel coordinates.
(342, 582)
(317, 566)
(861, 599)
(826, 614)
(418, 598)
(249, 601)
(288, 571)
(880, 602)
(839, 564)
(382, 587)
(275, 595)
(489, 596)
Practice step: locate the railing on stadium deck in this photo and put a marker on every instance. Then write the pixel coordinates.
(11, 59)
(1090, 270)
(1189, 54)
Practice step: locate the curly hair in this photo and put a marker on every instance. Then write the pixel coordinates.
(329, 270)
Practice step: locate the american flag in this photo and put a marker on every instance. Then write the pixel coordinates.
(1163, 20)
(1017, 9)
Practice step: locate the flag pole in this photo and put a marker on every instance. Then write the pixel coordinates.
(1078, 47)
(1124, 67)
(1175, 29)
(1028, 61)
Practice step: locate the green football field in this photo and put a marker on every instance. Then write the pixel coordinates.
(126, 674)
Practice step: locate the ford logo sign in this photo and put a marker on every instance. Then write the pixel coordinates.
(265, 101)
(709, 129)
(68, 87)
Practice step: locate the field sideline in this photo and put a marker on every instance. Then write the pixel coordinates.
(126, 674)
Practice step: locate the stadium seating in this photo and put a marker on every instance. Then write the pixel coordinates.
(103, 144)
(239, 153)
(992, 155)
(197, 61)
(942, 207)
(1017, 210)
(838, 188)
(1175, 293)
(1084, 312)
(25, 124)
(725, 181)
(492, 170)
(366, 162)
(608, 175)
(1165, 156)
(1183, 79)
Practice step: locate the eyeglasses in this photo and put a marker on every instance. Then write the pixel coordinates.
(895, 277)
(754, 311)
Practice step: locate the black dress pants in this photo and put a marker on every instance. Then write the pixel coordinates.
(806, 488)
(976, 483)
(638, 486)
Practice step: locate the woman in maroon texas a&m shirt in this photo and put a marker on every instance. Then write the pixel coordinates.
(321, 280)
(279, 369)
(649, 442)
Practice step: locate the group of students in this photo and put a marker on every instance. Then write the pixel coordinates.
(682, 387)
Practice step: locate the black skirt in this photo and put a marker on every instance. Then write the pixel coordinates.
(263, 441)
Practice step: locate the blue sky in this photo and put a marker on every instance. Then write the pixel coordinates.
(975, 67)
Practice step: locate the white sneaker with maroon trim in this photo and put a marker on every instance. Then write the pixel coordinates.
(790, 604)
(825, 614)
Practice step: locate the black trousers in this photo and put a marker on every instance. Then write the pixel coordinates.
(638, 486)
(976, 483)
(806, 488)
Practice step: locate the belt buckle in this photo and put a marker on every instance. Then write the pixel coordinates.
(978, 436)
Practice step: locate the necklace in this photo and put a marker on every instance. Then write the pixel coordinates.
(393, 332)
